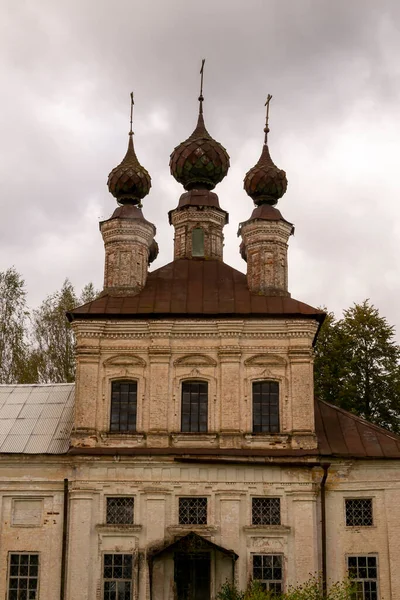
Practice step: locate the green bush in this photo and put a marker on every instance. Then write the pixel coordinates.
(310, 590)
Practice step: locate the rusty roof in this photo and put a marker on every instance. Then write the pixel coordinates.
(195, 288)
(341, 433)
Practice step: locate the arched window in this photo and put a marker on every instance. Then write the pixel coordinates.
(123, 406)
(194, 406)
(197, 241)
(265, 407)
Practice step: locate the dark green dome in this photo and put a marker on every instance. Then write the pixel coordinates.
(199, 161)
(129, 182)
(265, 183)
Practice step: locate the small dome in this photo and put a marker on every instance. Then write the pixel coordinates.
(265, 183)
(199, 161)
(129, 183)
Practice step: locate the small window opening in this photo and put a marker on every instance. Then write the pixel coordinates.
(197, 242)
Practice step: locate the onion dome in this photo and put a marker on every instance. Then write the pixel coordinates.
(265, 183)
(129, 182)
(200, 161)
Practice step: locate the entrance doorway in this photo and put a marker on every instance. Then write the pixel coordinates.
(192, 575)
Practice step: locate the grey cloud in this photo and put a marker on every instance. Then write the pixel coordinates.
(68, 69)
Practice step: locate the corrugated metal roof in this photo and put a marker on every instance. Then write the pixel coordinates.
(36, 419)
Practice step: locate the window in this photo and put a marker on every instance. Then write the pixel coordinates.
(359, 512)
(363, 571)
(267, 568)
(265, 407)
(197, 241)
(123, 406)
(192, 511)
(23, 576)
(266, 511)
(117, 576)
(120, 511)
(194, 406)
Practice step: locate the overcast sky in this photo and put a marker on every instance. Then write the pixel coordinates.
(333, 68)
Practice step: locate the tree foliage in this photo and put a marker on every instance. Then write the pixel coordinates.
(357, 365)
(53, 353)
(310, 590)
(37, 346)
(13, 323)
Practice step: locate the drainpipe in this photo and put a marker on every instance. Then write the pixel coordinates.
(323, 528)
(64, 542)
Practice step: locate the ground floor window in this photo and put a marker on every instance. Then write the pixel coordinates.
(23, 576)
(363, 570)
(268, 569)
(117, 576)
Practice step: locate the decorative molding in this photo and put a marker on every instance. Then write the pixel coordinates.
(266, 359)
(124, 361)
(195, 360)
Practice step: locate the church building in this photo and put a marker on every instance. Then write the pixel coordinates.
(191, 450)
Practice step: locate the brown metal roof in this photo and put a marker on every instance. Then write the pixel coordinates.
(341, 433)
(195, 288)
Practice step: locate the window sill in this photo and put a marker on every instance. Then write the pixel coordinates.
(185, 439)
(184, 529)
(270, 529)
(108, 527)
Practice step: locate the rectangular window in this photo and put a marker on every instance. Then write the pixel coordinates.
(123, 406)
(120, 511)
(265, 407)
(192, 511)
(359, 512)
(267, 568)
(364, 572)
(23, 576)
(194, 406)
(266, 511)
(117, 576)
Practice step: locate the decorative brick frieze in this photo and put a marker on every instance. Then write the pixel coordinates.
(265, 249)
(210, 221)
(127, 247)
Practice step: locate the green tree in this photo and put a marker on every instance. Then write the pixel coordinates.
(357, 365)
(53, 354)
(13, 327)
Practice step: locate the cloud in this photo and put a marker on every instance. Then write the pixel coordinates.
(68, 69)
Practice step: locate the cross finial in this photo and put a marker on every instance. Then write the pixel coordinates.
(201, 97)
(266, 128)
(132, 103)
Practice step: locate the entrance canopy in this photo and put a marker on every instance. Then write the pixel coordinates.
(191, 543)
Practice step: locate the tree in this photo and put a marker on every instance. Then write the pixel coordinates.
(357, 365)
(53, 354)
(13, 322)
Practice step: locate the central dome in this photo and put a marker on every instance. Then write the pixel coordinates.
(200, 161)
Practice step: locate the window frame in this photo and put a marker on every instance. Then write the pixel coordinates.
(268, 581)
(20, 553)
(199, 242)
(253, 498)
(122, 431)
(119, 496)
(364, 555)
(104, 579)
(372, 512)
(192, 524)
(187, 381)
(253, 383)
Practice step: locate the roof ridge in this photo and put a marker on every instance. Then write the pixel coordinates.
(361, 420)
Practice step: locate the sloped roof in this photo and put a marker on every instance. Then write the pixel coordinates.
(195, 288)
(341, 433)
(36, 419)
